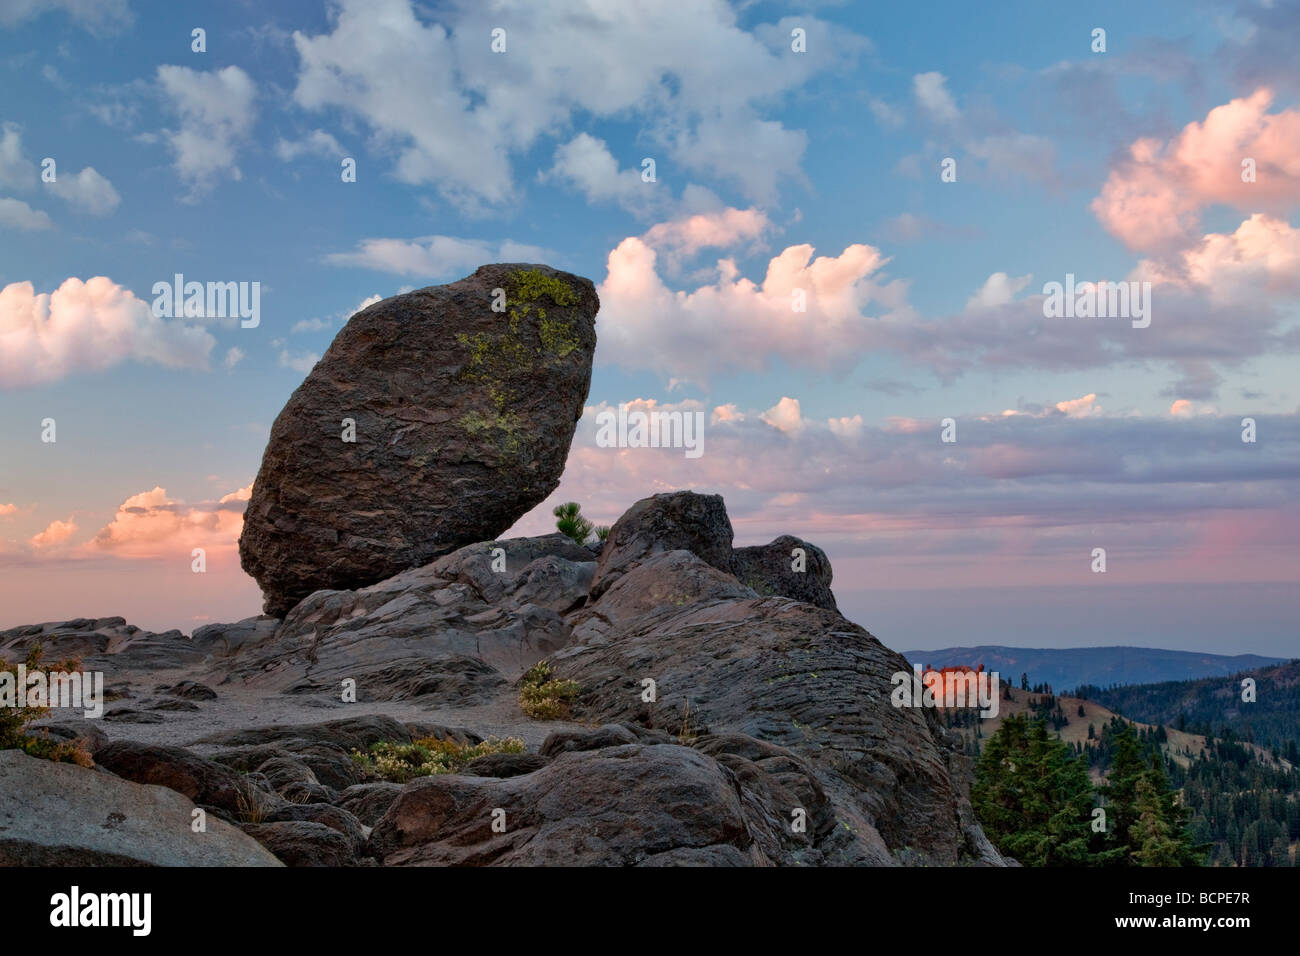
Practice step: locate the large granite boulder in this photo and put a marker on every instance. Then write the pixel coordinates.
(462, 416)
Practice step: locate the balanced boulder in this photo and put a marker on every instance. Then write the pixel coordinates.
(436, 419)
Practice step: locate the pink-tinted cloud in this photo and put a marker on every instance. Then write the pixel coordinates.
(1153, 199)
(56, 533)
(1079, 407)
(152, 525)
(721, 229)
(1260, 259)
(87, 326)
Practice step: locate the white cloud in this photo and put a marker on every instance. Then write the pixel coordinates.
(16, 214)
(785, 415)
(216, 110)
(15, 171)
(98, 17)
(316, 143)
(689, 234)
(233, 357)
(738, 325)
(999, 289)
(87, 326)
(586, 163)
(88, 190)
(303, 362)
(887, 116)
(309, 325)
(454, 114)
(434, 257)
(931, 92)
(846, 427)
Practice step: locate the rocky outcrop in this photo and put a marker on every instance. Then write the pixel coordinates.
(207, 783)
(462, 418)
(57, 814)
(679, 520)
(725, 660)
(788, 566)
(687, 521)
(622, 799)
(458, 630)
(742, 720)
(105, 643)
(304, 843)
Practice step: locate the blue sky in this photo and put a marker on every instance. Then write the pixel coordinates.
(225, 166)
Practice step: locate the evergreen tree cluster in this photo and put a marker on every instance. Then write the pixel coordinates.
(1036, 802)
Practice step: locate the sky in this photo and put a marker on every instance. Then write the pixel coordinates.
(919, 174)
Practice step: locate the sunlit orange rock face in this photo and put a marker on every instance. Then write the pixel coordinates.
(954, 682)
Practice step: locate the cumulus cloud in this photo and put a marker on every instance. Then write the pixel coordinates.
(1153, 199)
(586, 164)
(998, 289)
(16, 214)
(216, 111)
(301, 362)
(56, 533)
(16, 172)
(785, 415)
(1261, 257)
(435, 257)
(643, 324)
(87, 326)
(153, 525)
(87, 190)
(455, 115)
(316, 143)
(233, 357)
(931, 92)
(7, 510)
(1079, 407)
(721, 229)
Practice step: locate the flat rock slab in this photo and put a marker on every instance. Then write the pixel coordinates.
(58, 814)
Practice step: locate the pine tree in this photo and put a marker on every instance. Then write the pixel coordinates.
(1034, 799)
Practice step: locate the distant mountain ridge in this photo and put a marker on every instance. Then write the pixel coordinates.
(1071, 667)
(1215, 707)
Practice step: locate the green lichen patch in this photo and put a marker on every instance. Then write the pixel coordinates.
(529, 285)
(507, 423)
(558, 337)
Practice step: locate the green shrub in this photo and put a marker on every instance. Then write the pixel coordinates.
(14, 720)
(427, 756)
(544, 698)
